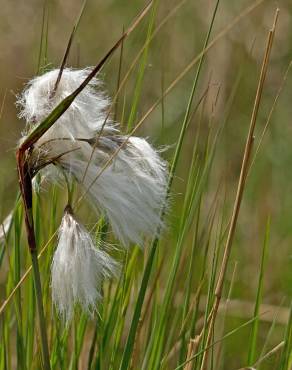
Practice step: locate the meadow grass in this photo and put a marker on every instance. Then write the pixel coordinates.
(180, 303)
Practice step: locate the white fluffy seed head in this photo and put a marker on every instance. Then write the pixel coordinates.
(86, 113)
(130, 192)
(132, 189)
(78, 268)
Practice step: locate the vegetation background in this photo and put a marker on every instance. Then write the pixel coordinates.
(226, 92)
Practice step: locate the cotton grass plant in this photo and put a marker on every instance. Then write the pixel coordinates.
(71, 111)
(129, 192)
(115, 288)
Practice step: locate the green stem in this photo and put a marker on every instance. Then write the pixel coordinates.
(39, 299)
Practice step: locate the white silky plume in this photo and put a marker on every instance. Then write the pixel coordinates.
(78, 268)
(132, 189)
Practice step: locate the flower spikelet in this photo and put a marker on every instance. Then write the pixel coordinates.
(78, 268)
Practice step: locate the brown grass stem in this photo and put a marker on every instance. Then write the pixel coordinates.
(240, 189)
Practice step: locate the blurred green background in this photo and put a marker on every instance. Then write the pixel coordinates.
(235, 58)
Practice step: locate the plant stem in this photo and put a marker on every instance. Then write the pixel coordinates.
(25, 183)
(42, 321)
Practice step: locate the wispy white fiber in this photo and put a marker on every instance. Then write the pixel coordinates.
(78, 268)
(131, 191)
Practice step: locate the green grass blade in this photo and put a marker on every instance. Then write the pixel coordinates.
(17, 299)
(254, 330)
(286, 357)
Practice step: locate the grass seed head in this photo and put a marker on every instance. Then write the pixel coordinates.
(131, 190)
(78, 268)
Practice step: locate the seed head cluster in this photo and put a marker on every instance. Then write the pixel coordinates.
(128, 190)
